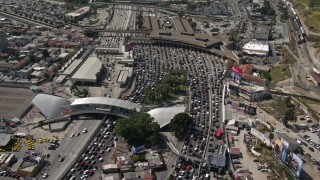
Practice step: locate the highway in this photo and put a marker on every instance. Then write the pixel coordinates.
(70, 148)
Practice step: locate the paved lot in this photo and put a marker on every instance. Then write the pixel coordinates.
(70, 148)
(14, 101)
(247, 160)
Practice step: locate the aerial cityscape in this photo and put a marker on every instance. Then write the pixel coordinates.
(160, 89)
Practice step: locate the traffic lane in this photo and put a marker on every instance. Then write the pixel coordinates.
(70, 148)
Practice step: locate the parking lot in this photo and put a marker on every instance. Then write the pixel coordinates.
(13, 101)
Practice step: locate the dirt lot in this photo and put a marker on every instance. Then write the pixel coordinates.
(14, 101)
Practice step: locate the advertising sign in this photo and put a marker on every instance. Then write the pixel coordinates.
(291, 160)
(236, 77)
(237, 70)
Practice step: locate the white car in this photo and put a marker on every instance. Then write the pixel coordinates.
(45, 175)
(85, 130)
(72, 135)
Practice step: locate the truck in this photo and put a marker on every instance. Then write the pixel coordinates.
(242, 170)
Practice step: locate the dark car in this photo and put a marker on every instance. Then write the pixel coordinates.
(311, 149)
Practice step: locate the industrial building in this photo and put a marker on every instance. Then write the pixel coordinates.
(87, 72)
(3, 41)
(262, 32)
(78, 14)
(30, 165)
(256, 48)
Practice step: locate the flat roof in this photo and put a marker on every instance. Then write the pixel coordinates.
(147, 22)
(70, 69)
(187, 26)
(107, 101)
(170, 112)
(154, 23)
(123, 75)
(200, 40)
(177, 22)
(4, 139)
(256, 46)
(87, 72)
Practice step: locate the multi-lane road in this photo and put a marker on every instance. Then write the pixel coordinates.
(70, 148)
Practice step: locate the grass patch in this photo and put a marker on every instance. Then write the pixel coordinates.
(313, 38)
(280, 73)
(293, 44)
(312, 21)
(275, 107)
(287, 57)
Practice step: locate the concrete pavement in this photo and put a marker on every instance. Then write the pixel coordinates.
(70, 148)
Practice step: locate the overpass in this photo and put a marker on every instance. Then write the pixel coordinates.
(60, 109)
(118, 31)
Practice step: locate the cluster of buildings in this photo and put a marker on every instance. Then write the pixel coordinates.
(41, 11)
(78, 14)
(35, 53)
(153, 161)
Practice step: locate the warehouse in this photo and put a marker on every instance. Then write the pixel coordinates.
(86, 74)
(256, 48)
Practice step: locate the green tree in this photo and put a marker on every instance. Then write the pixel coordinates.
(271, 136)
(191, 6)
(45, 53)
(33, 58)
(139, 129)
(179, 124)
(193, 25)
(140, 24)
(289, 115)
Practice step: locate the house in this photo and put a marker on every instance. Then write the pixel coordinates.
(110, 168)
(155, 160)
(30, 165)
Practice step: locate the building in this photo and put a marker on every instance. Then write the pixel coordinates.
(87, 72)
(315, 78)
(110, 168)
(3, 41)
(30, 165)
(287, 141)
(218, 158)
(78, 14)
(5, 139)
(262, 32)
(256, 49)
(155, 160)
(235, 153)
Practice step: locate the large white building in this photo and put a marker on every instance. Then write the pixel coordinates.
(87, 72)
(256, 48)
(3, 41)
(78, 14)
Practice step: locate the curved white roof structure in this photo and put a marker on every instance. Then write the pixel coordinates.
(164, 115)
(49, 105)
(107, 101)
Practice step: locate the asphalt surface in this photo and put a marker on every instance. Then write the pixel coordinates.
(70, 148)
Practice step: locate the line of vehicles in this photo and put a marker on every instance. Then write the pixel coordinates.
(301, 34)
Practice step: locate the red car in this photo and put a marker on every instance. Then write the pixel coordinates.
(311, 149)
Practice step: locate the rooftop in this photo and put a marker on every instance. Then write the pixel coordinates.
(256, 46)
(4, 139)
(87, 72)
(107, 101)
(52, 109)
(170, 112)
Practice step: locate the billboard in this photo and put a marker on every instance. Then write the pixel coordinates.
(291, 160)
(237, 70)
(236, 74)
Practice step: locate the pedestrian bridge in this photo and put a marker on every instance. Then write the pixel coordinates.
(53, 107)
(56, 109)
